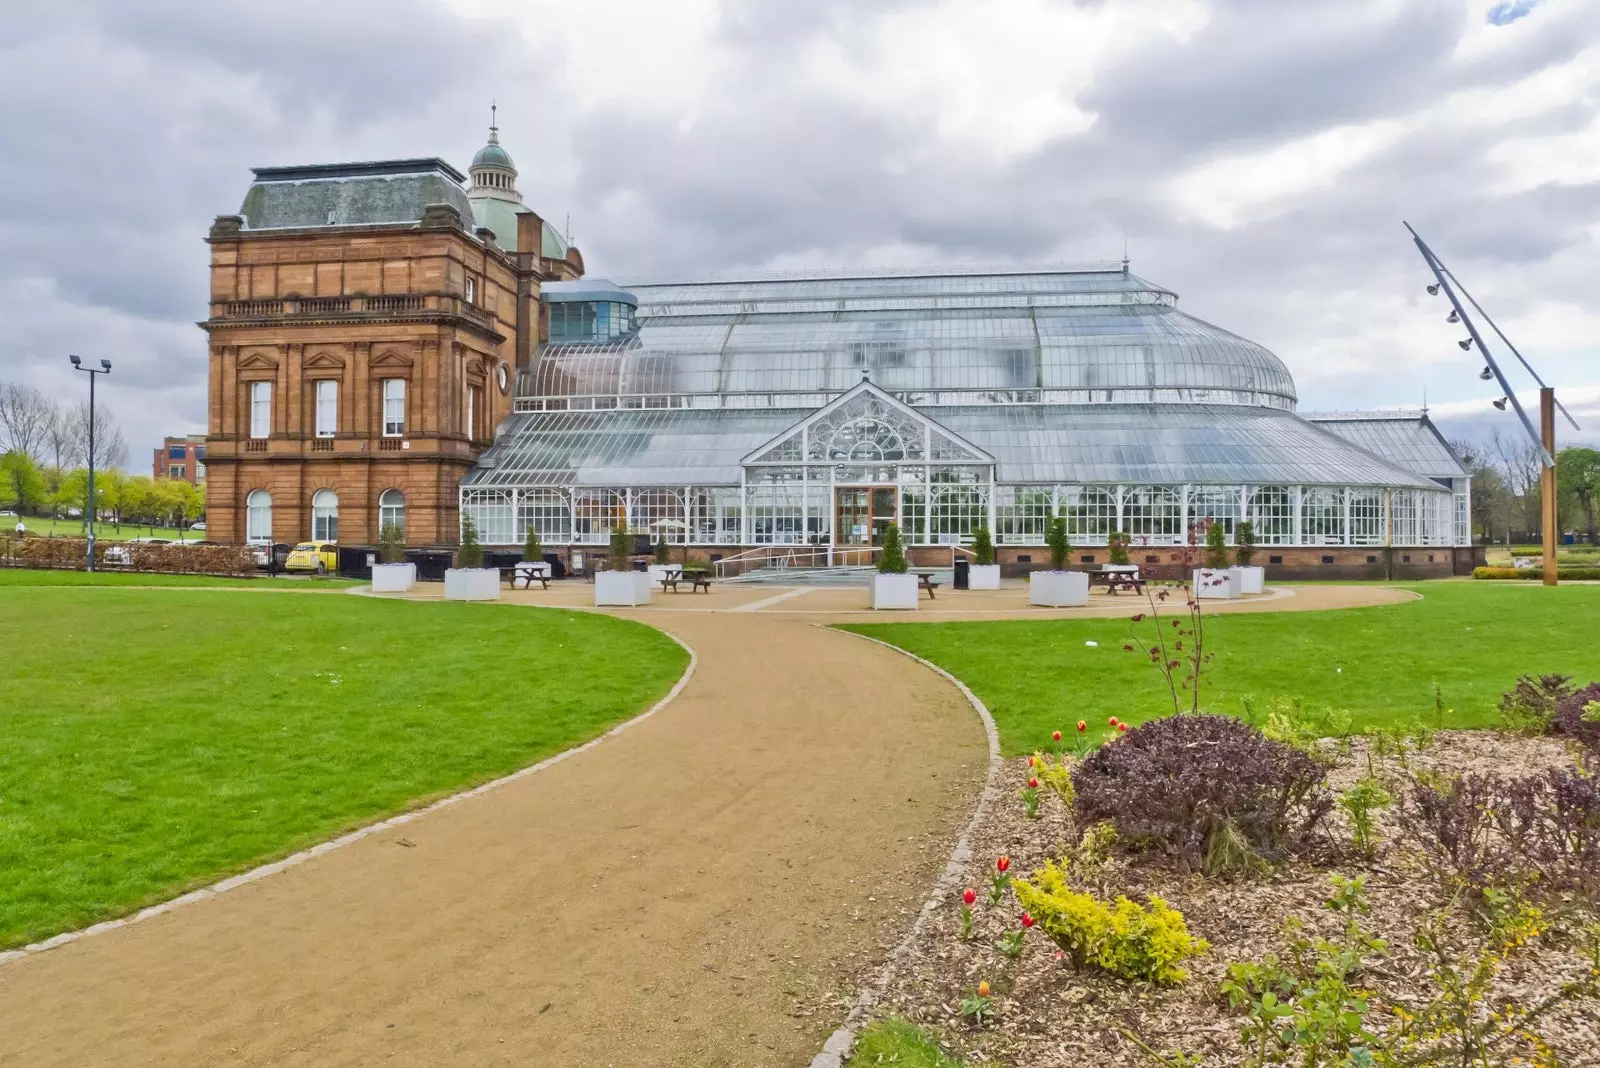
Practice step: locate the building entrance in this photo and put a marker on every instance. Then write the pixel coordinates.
(861, 513)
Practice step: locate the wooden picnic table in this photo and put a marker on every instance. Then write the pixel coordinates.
(529, 573)
(925, 580)
(697, 578)
(1117, 578)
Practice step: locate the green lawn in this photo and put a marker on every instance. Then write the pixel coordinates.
(1473, 639)
(16, 576)
(73, 528)
(153, 741)
(899, 1043)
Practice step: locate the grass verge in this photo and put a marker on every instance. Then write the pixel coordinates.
(22, 576)
(1381, 664)
(900, 1043)
(156, 743)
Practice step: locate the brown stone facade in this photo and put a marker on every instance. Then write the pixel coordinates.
(428, 304)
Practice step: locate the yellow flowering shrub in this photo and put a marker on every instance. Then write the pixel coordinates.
(1123, 938)
(1054, 777)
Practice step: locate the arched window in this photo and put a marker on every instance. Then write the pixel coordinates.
(391, 509)
(324, 516)
(258, 516)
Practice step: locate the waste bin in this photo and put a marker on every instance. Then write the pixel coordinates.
(962, 571)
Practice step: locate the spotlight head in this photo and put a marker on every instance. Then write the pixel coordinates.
(1465, 345)
(1433, 290)
(1453, 317)
(75, 360)
(1486, 374)
(106, 364)
(1500, 404)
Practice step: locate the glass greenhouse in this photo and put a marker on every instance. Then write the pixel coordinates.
(814, 410)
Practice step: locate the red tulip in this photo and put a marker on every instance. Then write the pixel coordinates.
(1113, 721)
(1033, 782)
(1082, 726)
(970, 896)
(1055, 736)
(1030, 762)
(1003, 864)
(1027, 920)
(1123, 727)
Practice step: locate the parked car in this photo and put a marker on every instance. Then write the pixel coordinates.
(265, 555)
(198, 526)
(121, 556)
(318, 556)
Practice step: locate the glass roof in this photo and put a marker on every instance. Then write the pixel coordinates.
(1407, 439)
(1106, 335)
(1067, 444)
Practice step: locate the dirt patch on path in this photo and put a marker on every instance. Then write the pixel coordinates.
(704, 889)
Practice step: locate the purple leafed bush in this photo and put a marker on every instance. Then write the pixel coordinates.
(1488, 830)
(1209, 792)
(1569, 716)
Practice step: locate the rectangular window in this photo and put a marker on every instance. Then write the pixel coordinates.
(260, 409)
(394, 407)
(177, 452)
(200, 472)
(174, 471)
(472, 413)
(327, 407)
(472, 290)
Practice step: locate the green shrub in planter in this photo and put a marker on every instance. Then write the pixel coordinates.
(471, 553)
(1118, 542)
(1216, 546)
(392, 543)
(892, 561)
(1055, 539)
(1244, 542)
(982, 547)
(663, 550)
(532, 549)
(621, 553)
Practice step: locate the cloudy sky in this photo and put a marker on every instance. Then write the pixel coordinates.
(1257, 156)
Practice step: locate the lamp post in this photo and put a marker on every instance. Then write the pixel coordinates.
(89, 505)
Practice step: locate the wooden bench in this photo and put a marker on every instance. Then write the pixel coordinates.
(925, 582)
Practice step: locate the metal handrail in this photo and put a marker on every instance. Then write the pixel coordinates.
(795, 556)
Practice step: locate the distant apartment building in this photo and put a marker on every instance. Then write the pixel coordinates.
(182, 458)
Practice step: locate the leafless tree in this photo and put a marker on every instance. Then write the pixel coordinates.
(110, 448)
(1520, 465)
(25, 416)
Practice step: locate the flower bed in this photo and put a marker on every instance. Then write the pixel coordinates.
(1040, 1008)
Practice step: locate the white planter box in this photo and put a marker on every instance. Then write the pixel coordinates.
(983, 577)
(894, 591)
(621, 588)
(1251, 579)
(393, 578)
(1058, 589)
(1215, 583)
(472, 584)
(658, 572)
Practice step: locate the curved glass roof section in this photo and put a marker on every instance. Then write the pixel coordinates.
(949, 336)
(1137, 444)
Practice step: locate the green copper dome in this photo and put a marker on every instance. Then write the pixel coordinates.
(492, 155)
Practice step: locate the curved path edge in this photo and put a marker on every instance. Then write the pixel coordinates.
(274, 867)
(839, 1044)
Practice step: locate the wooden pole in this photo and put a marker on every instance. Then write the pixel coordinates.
(1547, 482)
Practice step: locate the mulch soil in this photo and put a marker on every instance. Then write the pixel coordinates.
(1051, 1015)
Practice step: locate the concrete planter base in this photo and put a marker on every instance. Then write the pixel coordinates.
(1251, 579)
(1058, 589)
(393, 578)
(472, 584)
(1211, 583)
(983, 577)
(894, 591)
(621, 588)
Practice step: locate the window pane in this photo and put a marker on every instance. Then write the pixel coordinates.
(327, 407)
(258, 521)
(394, 406)
(260, 409)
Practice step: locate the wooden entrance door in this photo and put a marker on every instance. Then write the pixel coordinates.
(861, 513)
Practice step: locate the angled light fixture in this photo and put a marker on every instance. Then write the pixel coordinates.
(1465, 345)
(1454, 318)
(1486, 374)
(1501, 404)
(1433, 290)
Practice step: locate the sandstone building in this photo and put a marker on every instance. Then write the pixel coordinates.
(366, 324)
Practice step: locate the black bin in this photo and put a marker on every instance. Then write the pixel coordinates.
(355, 561)
(962, 572)
(431, 563)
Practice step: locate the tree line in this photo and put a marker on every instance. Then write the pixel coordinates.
(44, 455)
(1506, 501)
